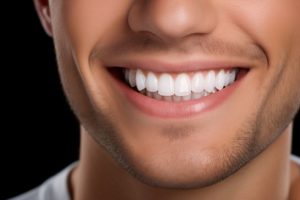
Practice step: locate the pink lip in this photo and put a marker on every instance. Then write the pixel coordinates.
(188, 66)
(165, 109)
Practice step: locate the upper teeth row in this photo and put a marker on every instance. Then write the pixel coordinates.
(182, 84)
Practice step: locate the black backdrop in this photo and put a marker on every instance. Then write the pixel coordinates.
(39, 133)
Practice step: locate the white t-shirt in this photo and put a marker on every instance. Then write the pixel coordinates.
(55, 188)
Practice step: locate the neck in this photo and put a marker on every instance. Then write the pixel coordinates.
(98, 176)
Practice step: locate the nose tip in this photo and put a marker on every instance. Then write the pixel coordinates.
(172, 19)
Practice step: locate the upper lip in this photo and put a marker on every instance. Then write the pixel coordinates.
(161, 66)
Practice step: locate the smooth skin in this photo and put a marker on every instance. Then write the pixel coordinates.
(239, 150)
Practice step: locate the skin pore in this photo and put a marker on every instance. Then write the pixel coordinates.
(238, 150)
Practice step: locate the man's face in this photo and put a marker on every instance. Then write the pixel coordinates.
(188, 127)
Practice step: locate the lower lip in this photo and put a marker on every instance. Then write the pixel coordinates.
(165, 109)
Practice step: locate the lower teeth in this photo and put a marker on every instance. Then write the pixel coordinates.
(175, 98)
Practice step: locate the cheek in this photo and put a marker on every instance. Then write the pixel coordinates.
(283, 101)
(78, 26)
(275, 25)
(270, 23)
(282, 97)
(86, 22)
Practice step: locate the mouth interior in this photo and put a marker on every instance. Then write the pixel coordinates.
(121, 74)
(117, 72)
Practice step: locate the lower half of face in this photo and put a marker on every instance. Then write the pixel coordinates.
(174, 118)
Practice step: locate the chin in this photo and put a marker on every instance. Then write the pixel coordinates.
(188, 169)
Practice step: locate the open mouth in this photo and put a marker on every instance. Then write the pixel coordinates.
(177, 94)
(177, 87)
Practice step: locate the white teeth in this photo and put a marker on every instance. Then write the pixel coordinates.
(198, 83)
(140, 80)
(151, 82)
(182, 85)
(210, 81)
(166, 85)
(220, 80)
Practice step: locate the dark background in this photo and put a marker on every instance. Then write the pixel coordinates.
(39, 133)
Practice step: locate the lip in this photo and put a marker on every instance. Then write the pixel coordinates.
(176, 67)
(165, 109)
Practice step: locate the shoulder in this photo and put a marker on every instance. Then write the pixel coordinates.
(55, 187)
(295, 178)
(30, 195)
(295, 159)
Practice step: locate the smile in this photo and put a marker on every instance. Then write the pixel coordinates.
(168, 92)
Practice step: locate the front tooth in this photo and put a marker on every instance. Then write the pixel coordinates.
(140, 80)
(182, 85)
(166, 85)
(197, 83)
(132, 77)
(220, 80)
(210, 81)
(151, 82)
